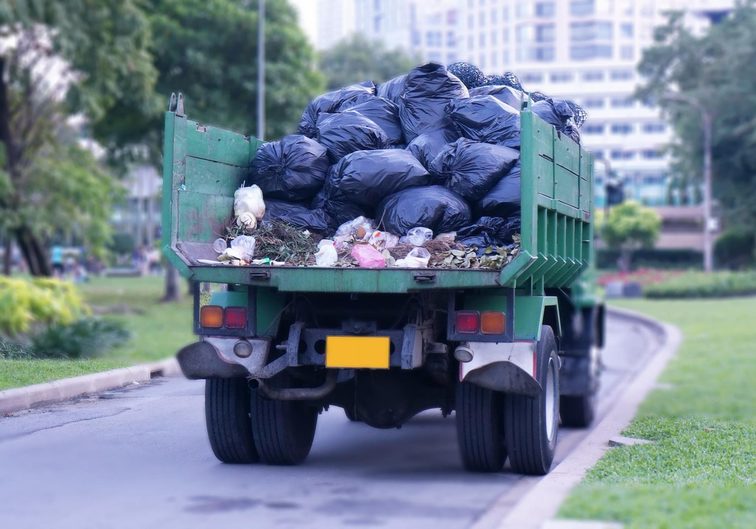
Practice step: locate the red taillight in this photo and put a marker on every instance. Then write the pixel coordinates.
(467, 322)
(235, 317)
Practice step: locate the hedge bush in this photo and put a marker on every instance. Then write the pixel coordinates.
(25, 303)
(84, 338)
(701, 285)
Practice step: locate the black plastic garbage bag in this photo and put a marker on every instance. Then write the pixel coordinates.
(506, 79)
(338, 209)
(469, 74)
(506, 94)
(392, 89)
(427, 146)
(471, 168)
(433, 207)
(384, 113)
(489, 231)
(365, 178)
(503, 200)
(293, 168)
(297, 215)
(348, 132)
(486, 119)
(558, 113)
(330, 102)
(427, 91)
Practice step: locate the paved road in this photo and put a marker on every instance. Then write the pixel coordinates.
(139, 458)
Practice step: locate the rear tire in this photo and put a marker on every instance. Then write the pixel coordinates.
(531, 424)
(227, 418)
(283, 430)
(479, 418)
(577, 411)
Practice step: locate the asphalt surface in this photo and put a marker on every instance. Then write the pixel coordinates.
(139, 458)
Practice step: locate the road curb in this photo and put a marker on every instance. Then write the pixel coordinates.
(541, 503)
(12, 400)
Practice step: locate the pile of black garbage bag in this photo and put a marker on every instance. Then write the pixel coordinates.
(435, 148)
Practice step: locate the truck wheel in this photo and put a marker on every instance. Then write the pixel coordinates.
(283, 430)
(227, 418)
(577, 411)
(479, 417)
(349, 412)
(531, 424)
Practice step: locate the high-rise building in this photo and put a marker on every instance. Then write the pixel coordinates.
(584, 50)
(336, 20)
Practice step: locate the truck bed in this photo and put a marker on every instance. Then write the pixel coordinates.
(204, 165)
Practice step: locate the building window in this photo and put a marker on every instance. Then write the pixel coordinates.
(470, 21)
(561, 77)
(626, 30)
(654, 128)
(451, 39)
(619, 154)
(598, 155)
(532, 78)
(590, 51)
(622, 102)
(593, 102)
(494, 59)
(621, 75)
(494, 36)
(627, 53)
(585, 31)
(593, 75)
(482, 40)
(433, 38)
(622, 128)
(494, 16)
(544, 9)
(651, 154)
(582, 7)
(543, 54)
(470, 43)
(593, 129)
(482, 18)
(544, 33)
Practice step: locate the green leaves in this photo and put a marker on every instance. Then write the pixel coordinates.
(630, 226)
(716, 70)
(357, 59)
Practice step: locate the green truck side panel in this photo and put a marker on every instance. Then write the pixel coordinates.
(229, 298)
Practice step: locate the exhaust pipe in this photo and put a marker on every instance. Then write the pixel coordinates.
(299, 393)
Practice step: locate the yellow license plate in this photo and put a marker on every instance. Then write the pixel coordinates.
(358, 352)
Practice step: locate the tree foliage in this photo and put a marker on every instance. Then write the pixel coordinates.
(716, 70)
(629, 227)
(207, 49)
(57, 60)
(357, 59)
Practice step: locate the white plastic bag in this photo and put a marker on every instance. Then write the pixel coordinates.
(249, 206)
(383, 240)
(417, 258)
(417, 236)
(242, 248)
(360, 228)
(326, 255)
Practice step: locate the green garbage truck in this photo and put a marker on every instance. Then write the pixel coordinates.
(512, 352)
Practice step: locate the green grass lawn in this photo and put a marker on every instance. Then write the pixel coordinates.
(700, 472)
(157, 329)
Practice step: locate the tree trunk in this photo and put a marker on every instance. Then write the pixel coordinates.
(33, 251)
(7, 248)
(625, 260)
(172, 291)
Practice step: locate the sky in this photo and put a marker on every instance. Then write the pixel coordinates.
(307, 16)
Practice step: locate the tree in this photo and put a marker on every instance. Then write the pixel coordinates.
(629, 227)
(207, 49)
(715, 70)
(56, 61)
(357, 59)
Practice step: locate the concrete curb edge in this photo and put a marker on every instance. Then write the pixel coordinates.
(17, 399)
(541, 503)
